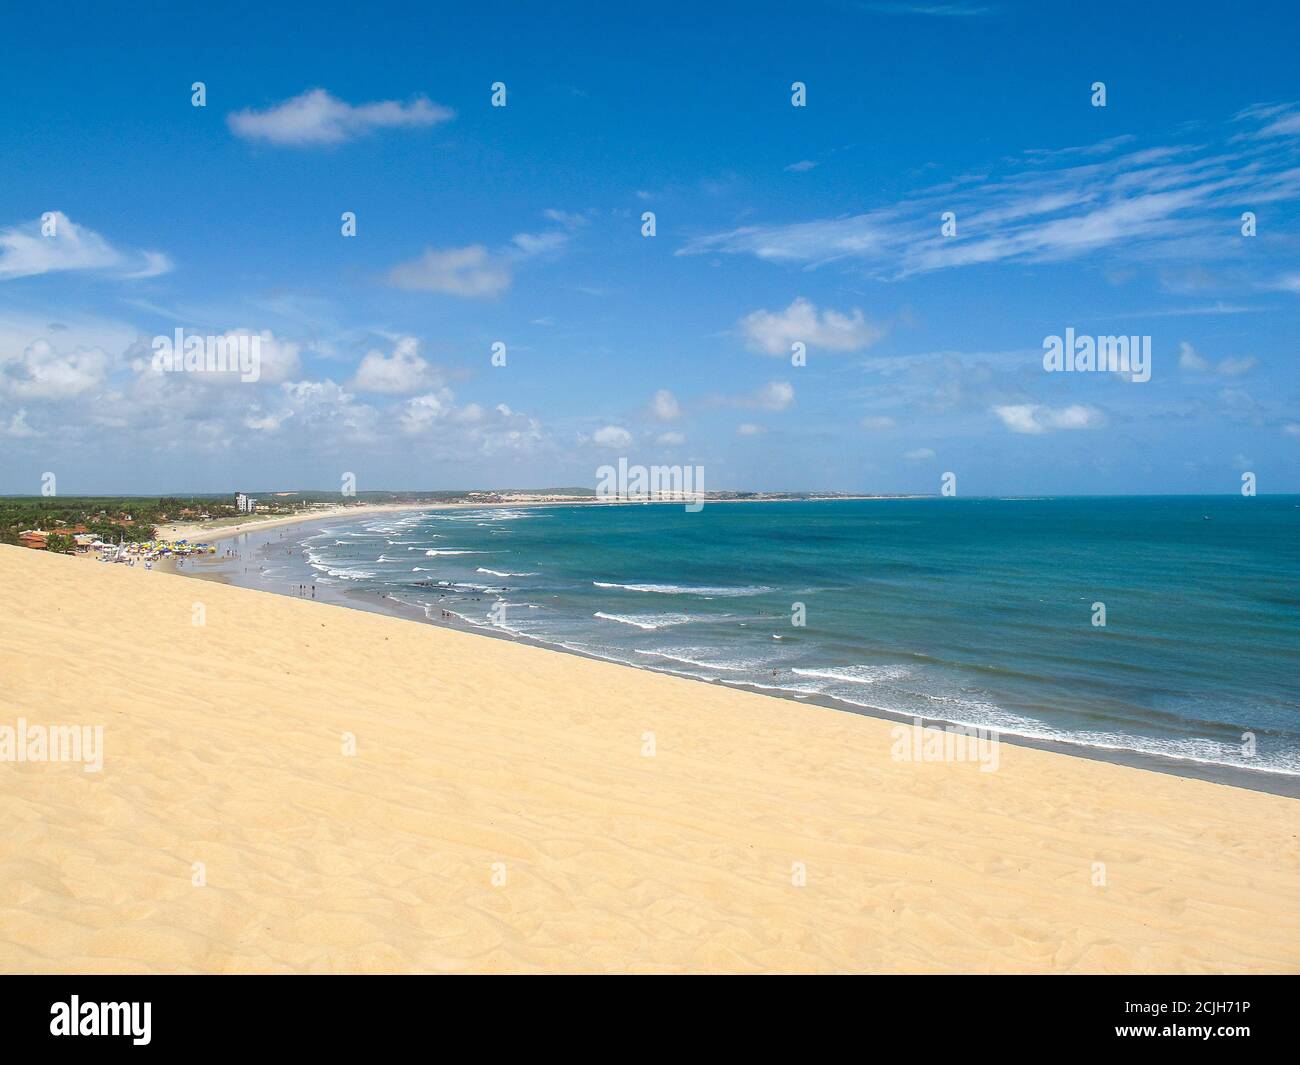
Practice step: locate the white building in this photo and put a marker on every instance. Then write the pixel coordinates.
(244, 504)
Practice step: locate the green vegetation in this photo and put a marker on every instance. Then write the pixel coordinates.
(135, 519)
(59, 543)
(130, 518)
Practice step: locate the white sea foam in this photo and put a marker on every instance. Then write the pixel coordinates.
(343, 574)
(645, 621)
(437, 551)
(856, 674)
(684, 656)
(684, 589)
(498, 573)
(792, 689)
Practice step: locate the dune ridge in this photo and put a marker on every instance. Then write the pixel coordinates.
(480, 760)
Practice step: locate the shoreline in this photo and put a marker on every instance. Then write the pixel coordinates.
(199, 533)
(1260, 780)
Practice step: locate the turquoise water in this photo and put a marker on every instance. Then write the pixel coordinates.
(972, 611)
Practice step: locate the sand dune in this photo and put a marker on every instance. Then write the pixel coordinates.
(478, 758)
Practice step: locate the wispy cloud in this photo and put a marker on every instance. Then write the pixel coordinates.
(1035, 418)
(1190, 361)
(1052, 207)
(316, 118)
(773, 396)
(55, 243)
(475, 272)
(467, 271)
(1278, 120)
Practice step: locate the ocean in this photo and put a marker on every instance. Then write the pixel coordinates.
(980, 612)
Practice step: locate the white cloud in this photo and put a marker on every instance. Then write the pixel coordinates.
(530, 244)
(326, 410)
(749, 429)
(612, 436)
(917, 454)
(1291, 429)
(664, 406)
(277, 359)
(1190, 361)
(419, 412)
(18, 426)
(876, 422)
(801, 166)
(468, 271)
(1035, 418)
(461, 433)
(672, 438)
(315, 117)
(1236, 367)
(42, 372)
(265, 423)
(775, 396)
(25, 251)
(568, 219)
(474, 271)
(773, 332)
(402, 372)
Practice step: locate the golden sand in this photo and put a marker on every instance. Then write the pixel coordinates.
(501, 814)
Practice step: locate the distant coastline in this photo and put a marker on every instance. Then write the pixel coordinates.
(211, 532)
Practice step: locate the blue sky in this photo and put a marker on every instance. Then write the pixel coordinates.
(774, 224)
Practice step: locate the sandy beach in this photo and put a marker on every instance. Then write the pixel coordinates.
(506, 808)
(207, 532)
